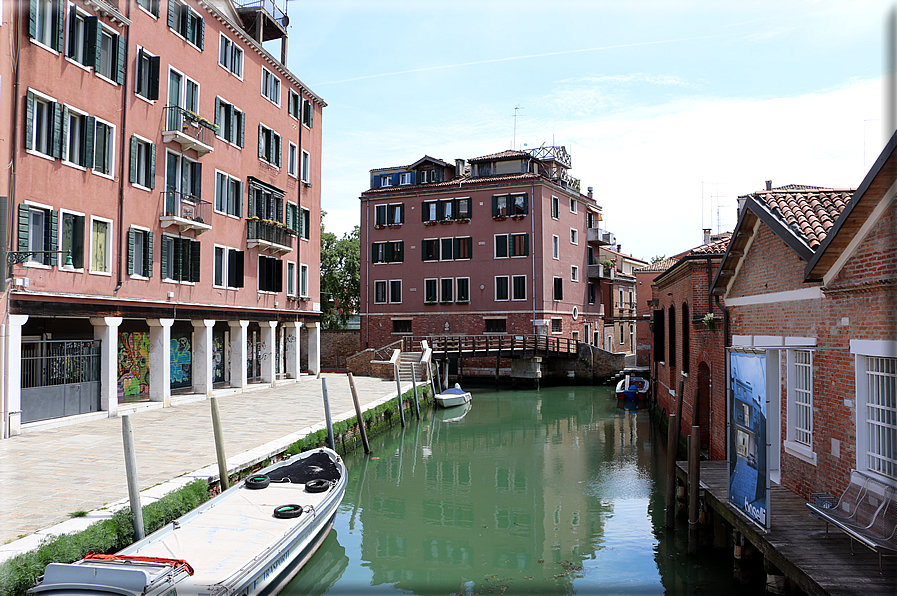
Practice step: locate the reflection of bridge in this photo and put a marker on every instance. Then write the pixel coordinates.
(503, 346)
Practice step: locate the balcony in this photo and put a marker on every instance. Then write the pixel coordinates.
(273, 237)
(600, 237)
(188, 129)
(184, 211)
(599, 271)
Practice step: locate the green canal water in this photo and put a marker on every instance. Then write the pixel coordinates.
(555, 491)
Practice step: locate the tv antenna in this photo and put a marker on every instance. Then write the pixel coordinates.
(514, 141)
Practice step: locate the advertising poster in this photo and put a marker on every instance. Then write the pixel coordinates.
(748, 470)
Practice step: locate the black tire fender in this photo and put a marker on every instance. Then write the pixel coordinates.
(288, 511)
(257, 481)
(318, 485)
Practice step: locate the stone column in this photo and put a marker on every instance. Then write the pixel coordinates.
(202, 356)
(160, 360)
(14, 372)
(314, 347)
(238, 353)
(268, 329)
(105, 329)
(291, 349)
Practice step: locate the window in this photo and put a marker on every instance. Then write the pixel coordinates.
(395, 214)
(430, 250)
(555, 247)
(509, 205)
(303, 282)
(291, 160)
(43, 130)
(308, 113)
(574, 236)
(265, 202)
(180, 259)
(388, 252)
(140, 252)
(462, 285)
(462, 248)
(231, 122)
(555, 208)
(446, 293)
(518, 284)
(430, 291)
(558, 288)
(37, 232)
(72, 239)
(183, 96)
(293, 217)
(574, 273)
(622, 340)
(395, 291)
(76, 125)
(496, 325)
(270, 86)
(110, 55)
(228, 194)
(591, 293)
(147, 84)
(659, 338)
(228, 268)
(501, 287)
(104, 145)
(230, 56)
(876, 408)
(294, 105)
(555, 325)
(518, 245)
(572, 205)
(306, 167)
(82, 37)
(672, 337)
(100, 246)
(380, 292)
(291, 278)
(186, 23)
(151, 6)
(183, 180)
(304, 223)
(800, 398)
(405, 178)
(445, 208)
(401, 326)
(45, 22)
(270, 274)
(686, 328)
(446, 249)
(269, 146)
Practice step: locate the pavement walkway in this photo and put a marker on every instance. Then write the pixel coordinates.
(48, 474)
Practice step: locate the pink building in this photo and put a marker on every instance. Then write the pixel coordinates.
(504, 244)
(163, 204)
(619, 298)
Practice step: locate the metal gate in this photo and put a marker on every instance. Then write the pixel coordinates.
(60, 378)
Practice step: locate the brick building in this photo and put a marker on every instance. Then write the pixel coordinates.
(809, 280)
(619, 299)
(504, 244)
(163, 204)
(688, 362)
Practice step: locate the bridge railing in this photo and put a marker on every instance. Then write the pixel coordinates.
(495, 344)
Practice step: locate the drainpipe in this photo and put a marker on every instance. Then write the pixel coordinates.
(121, 162)
(367, 274)
(299, 204)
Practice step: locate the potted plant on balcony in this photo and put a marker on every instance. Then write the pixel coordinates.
(518, 216)
(395, 226)
(462, 220)
(499, 217)
(430, 222)
(710, 321)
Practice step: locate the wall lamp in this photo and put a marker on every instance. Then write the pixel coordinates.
(15, 257)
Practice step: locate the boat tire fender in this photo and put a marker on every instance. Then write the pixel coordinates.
(318, 485)
(257, 481)
(288, 511)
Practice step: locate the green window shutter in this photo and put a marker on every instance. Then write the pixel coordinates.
(456, 247)
(29, 120)
(202, 33)
(311, 115)
(526, 244)
(131, 233)
(57, 130)
(250, 210)
(172, 14)
(276, 150)
(494, 205)
(218, 121)
(153, 91)
(50, 237)
(59, 38)
(98, 46)
(120, 55)
(64, 134)
(261, 144)
(78, 244)
(152, 166)
(165, 257)
(238, 268)
(242, 126)
(88, 141)
(194, 260)
(197, 180)
(154, 7)
(239, 201)
(177, 259)
(32, 18)
(73, 13)
(132, 174)
(24, 212)
(91, 27)
(148, 254)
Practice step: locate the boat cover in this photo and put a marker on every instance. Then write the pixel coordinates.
(316, 465)
(453, 391)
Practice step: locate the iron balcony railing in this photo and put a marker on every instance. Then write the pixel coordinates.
(191, 130)
(185, 206)
(270, 232)
(268, 5)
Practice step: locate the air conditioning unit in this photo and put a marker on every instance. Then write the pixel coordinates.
(608, 238)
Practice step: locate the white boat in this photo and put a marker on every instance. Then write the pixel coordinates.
(251, 539)
(453, 396)
(641, 384)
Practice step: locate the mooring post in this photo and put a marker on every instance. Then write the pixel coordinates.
(399, 392)
(432, 376)
(694, 484)
(330, 440)
(224, 481)
(364, 434)
(127, 436)
(672, 442)
(414, 386)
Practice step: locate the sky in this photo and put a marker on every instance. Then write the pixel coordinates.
(670, 109)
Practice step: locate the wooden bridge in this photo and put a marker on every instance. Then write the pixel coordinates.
(502, 346)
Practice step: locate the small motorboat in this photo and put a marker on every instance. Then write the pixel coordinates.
(453, 396)
(251, 539)
(641, 388)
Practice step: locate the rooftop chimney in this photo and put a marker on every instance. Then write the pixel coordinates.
(590, 192)
(769, 185)
(460, 166)
(706, 235)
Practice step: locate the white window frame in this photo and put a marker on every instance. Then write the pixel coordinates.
(49, 102)
(110, 241)
(42, 245)
(303, 282)
(184, 5)
(67, 149)
(573, 205)
(862, 350)
(511, 288)
(228, 179)
(405, 178)
(385, 285)
(556, 248)
(62, 257)
(146, 143)
(555, 208)
(574, 273)
(68, 35)
(270, 151)
(292, 157)
(458, 299)
(155, 17)
(113, 48)
(551, 325)
(391, 298)
(276, 84)
(140, 229)
(451, 285)
(435, 281)
(799, 407)
(305, 167)
(137, 70)
(291, 279)
(574, 236)
(96, 144)
(45, 37)
(385, 180)
(290, 103)
(495, 288)
(231, 46)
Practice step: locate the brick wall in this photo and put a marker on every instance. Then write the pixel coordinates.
(337, 345)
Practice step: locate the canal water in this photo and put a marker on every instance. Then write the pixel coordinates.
(555, 491)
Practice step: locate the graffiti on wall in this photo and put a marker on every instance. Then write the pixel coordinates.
(133, 365)
(181, 361)
(217, 357)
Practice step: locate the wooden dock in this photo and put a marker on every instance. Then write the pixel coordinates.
(797, 542)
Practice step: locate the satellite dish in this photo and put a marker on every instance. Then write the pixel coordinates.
(286, 20)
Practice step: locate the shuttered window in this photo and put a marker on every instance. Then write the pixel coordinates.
(140, 252)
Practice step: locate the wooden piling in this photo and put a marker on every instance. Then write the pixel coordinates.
(127, 435)
(414, 386)
(672, 442)
(399, 392)
(224, 481)
(364, 434)
(327, 418)
(694, 482)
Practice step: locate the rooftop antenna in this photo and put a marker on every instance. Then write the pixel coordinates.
(514, 141)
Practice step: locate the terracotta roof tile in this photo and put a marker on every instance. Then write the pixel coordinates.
(717, 247)
(810, 211)
(660, 265)
(453, 182)
(501, 155)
